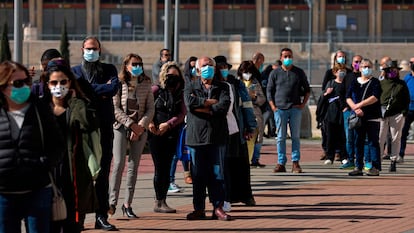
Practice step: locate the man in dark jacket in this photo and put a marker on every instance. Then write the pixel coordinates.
(207, 100)
(99, 81)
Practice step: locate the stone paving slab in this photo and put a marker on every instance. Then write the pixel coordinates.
(322, 199)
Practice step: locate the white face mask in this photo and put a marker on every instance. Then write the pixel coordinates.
(59, 91)
(247, 76)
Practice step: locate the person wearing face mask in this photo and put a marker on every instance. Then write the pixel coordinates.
(334, 101)
(246, 72)
(395, 100)
(288, 92)
(76, 175)
(31, 133)
(134, 110)
(165, 56)
(207, 100)
(189, 69)
(409, 80)
(350, 133)
(242, 124)
(99, 82)
(165, 128)
(339, 58)
(363, 98)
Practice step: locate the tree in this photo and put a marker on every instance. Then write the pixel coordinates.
(64, 43)
(5, 53)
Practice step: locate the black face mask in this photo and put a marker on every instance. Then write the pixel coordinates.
(412, 67)
(172, 81)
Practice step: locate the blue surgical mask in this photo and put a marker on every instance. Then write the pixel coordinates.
(224, 73)
(366, 71)
(194, 72)
(340, 60)
(341, 74)
(136, 71)
(20, 95)
(90, 55)
(287, 61)
(261, 68)
(207, 72)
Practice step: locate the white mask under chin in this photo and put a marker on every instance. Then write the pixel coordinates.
(247, 76)
(59, 91)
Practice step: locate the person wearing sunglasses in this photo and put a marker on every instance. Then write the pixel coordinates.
(99, 81)
(363, 98)
(31, 134)
(76, 174)
(134, 109)
(165, 128)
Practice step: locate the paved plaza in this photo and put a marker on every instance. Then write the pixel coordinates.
(322, 199)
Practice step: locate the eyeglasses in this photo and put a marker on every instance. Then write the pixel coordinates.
(166, 54)
(55, 82)
(21, 82)
(137, 64)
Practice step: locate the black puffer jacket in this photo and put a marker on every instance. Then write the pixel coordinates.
(24, 165)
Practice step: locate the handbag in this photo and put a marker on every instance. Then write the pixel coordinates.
(59, 211)
(355, 121)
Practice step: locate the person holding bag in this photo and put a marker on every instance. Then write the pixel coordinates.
(75, 176)
(25, 185)
(363, 98)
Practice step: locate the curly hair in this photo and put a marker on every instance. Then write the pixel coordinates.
(164, 70)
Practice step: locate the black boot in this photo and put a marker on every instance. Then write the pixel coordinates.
(393, 166)
(128, 212)
(103, 224)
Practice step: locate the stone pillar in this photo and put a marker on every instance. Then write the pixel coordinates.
(89, 17)
(266, 35)
(306, 124)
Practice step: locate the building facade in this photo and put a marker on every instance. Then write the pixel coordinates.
(280, 20)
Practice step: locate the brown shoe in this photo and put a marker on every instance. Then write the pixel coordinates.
(279, 168)
(187, 178)
(337, 157)
(323, 156)
(220, 215)
(296, 167)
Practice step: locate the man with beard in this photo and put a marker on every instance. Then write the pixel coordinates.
(165, 56)
(99, 81)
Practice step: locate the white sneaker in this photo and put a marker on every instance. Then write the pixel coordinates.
(344, 161)
(399, 159)
(227, 206)
(328, 162)
(174, 188)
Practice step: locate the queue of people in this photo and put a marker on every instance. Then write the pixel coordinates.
(95, 119)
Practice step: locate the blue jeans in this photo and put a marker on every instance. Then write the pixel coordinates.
(207, 172)
(283, 117)
(34, 207)
(368, 131)
(174, 167)
(350, 135)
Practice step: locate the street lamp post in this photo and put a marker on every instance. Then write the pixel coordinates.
(289, 20)
(310, 4)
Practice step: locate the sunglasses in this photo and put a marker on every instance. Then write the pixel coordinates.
(137, 64)
(21, 82)
(55, 82)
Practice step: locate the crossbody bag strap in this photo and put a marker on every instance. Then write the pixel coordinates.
(365, 91)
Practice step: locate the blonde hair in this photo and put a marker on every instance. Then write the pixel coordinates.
(164, 70)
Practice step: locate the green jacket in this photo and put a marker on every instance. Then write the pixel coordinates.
(395, 97)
